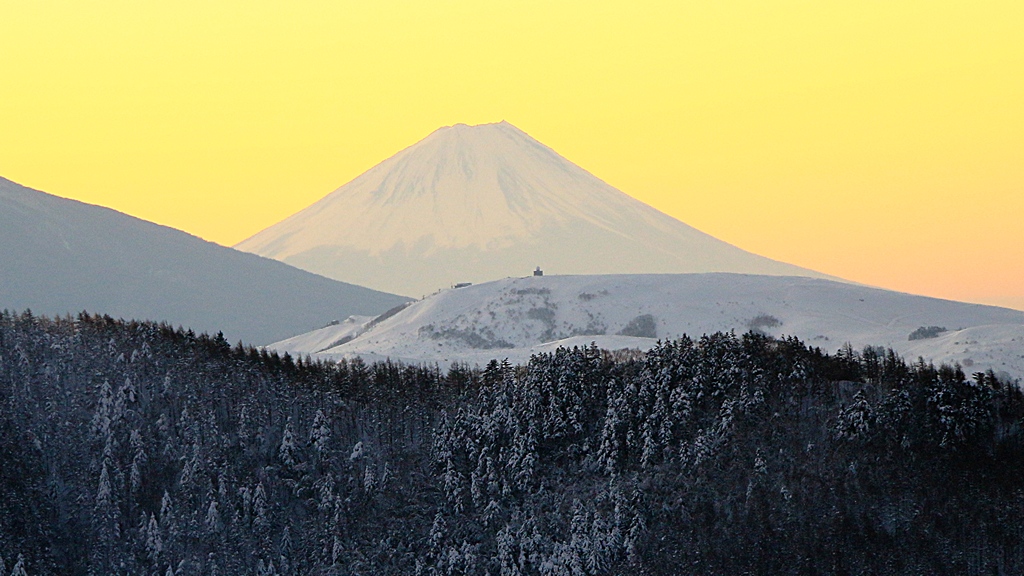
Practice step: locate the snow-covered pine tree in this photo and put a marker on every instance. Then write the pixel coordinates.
(19, 567)
(213, 520)
(286, 550)
(138, 462)
(260, 511)
(320, 433)
(506, 555)
(154, 541)
(106, 512)
(287, 452)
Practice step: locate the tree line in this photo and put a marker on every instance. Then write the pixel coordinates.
(140, 448)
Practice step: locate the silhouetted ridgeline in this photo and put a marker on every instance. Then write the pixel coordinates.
(134, 448)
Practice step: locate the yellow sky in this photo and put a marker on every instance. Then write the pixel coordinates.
(878, 141)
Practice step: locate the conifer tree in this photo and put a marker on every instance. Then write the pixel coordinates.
(288, 451)
(19, 567)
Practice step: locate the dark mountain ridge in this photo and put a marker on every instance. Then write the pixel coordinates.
(62, 256)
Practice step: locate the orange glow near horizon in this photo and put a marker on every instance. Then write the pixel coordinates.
(876, 141)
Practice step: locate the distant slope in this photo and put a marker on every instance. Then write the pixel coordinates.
(479, 203)
(513, 318)
(324, 338)
(61, 256)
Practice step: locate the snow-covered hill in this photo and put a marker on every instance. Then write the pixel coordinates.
(513, 318)
(478, 203)
(324, 338)
(59, 256)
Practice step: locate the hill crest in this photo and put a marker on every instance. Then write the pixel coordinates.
(515, 318)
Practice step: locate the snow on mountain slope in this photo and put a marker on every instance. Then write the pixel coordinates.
(324, 338)
(477, 203)
(999, 347)
(516, 317)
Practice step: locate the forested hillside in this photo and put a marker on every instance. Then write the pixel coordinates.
(134, 448)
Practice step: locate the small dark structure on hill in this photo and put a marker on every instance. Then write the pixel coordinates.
(538, 272)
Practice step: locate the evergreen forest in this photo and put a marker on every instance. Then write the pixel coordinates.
(134, 448)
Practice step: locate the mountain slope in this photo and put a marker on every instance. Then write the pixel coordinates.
(61, 256)
(516, 317)
(477, 203)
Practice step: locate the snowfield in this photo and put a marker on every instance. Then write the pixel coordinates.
(516, 317)
(324, 338)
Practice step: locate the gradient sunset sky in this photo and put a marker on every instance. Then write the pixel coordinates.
(882, 142)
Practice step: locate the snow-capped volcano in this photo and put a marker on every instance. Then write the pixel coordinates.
(476, 203)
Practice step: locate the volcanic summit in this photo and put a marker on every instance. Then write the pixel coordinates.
(477, 203)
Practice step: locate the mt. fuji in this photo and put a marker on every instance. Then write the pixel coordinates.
(478, 203)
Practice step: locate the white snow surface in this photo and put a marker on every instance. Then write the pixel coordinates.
(478, 203)
(323, 338)
(516, 317)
